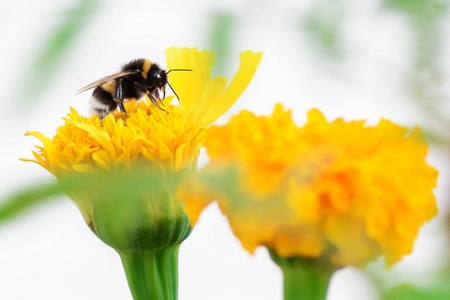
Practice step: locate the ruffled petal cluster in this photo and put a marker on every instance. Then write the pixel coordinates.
(340, 191)
(166, 140)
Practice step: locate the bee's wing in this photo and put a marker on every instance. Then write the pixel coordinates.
(104, 80)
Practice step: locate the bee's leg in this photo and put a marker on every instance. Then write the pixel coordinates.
(154, 101)
(163, 96)
(152, 98)
(119, 91)
(122, 109)
(119, 96)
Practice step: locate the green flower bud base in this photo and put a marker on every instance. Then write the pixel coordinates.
(144, 222)
(152, 275)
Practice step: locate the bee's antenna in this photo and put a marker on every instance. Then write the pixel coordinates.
(169, 83)
(173, 90)
(178, 70)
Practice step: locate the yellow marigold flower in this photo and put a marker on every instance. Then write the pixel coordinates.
(145, 227)
(167, 140)
(331, 190)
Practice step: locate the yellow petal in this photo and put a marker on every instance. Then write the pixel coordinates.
(101, 136)
(102, 159)
(49, 148)
(189, 85)
(219, 104)
(83, 168)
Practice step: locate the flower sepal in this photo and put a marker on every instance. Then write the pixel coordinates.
(141, 221)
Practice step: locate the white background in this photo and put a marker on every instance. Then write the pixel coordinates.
(50, 253)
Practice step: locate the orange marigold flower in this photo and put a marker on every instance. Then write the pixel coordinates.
(335, 190)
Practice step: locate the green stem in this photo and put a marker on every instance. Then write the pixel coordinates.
(152, 275)
(304, 278)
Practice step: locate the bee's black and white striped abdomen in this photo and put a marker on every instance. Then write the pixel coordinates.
(102, 101)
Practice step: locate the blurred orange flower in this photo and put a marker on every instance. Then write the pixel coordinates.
(336, 190)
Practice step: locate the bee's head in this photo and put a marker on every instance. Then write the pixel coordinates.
(157, 80)
(156, 77)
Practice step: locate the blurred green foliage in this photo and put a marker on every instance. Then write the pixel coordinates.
(419, 8)
(44, 67)
(323, 27)
(19, 202)
(222, 25)
(425, 78)
(440, 290)
(424, 18)
(116, 186)
(410, 292)
(391, 286)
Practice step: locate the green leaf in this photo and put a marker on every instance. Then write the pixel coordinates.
(24, 200)
(112, 185)
(47, 63)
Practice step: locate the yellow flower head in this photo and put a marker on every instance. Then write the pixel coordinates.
(330, 190)
(166, 142)
(169, 139)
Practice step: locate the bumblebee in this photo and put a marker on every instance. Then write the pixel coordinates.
(137, 78)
